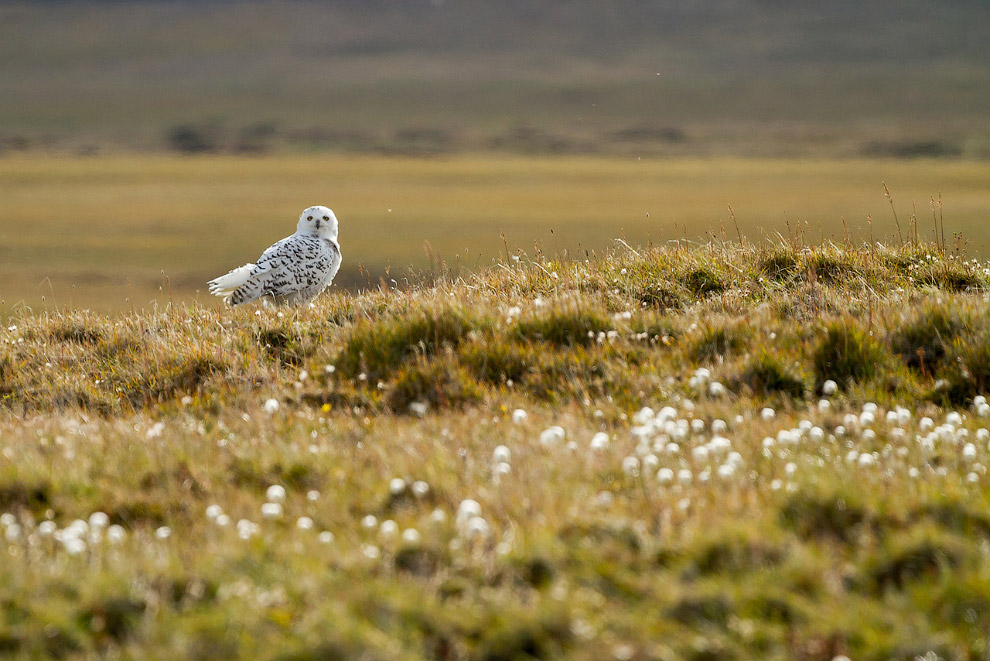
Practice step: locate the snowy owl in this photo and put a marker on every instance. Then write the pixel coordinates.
(293, 270)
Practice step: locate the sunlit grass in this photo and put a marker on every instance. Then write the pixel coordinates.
(528, 460)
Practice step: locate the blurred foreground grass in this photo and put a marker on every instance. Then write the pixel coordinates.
(714, 452)
(103, 232)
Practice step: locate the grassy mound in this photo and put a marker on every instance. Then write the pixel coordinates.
(712, 452)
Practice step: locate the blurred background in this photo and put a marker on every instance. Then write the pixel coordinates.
(147, 146)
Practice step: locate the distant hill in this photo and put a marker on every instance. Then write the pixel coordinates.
(722, 76)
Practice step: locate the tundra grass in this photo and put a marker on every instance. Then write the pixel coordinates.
(525, 462)
(121, 233)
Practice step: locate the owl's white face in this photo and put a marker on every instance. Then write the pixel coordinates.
(318, 220)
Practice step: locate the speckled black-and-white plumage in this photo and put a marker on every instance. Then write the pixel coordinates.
(293, 270)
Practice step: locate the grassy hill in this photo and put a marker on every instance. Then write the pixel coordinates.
(714, 77)
(706, 452)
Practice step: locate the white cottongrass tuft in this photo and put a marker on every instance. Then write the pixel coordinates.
(599, 442)
(275, 493)
(388, 530)
(466, 510)
(116, 534)
(969, 452)
(501, 454)
(719, 444)
(271, 406)
(74, 546)
(271, 510)
(396, 486)
(644, 416)
(246, 529)
(98, 520)
(476, 528)
(519, 416)
(552, 436)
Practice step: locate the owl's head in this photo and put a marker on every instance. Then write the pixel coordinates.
(318, 220)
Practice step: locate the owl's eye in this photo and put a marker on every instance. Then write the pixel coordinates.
(326, 217)
(309, 218)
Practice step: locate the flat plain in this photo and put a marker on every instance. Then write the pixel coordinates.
(122, 232)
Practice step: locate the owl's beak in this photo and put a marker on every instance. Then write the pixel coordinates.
(318, 221)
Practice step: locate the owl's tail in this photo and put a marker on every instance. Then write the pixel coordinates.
(226, 285)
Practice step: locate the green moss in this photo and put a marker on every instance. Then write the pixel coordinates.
(420, 561)
(112, 619)
(658, 296)
(968, 372)
(766, 375)
(827, 515)
(521, 636)
(69, 330)
(34, 495)
(703, 282)
(720, 342)
(284, 346)
(848, 354)
(947, 275)
(924, 340)
(913, 556)
(781, 266)
(702, 610)
(735, 551)
(436, 383)
(260, 475)
(497, 361)
(381, 346)
(563, 328)
(831, 267)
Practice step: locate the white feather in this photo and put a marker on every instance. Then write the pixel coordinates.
(226, 285)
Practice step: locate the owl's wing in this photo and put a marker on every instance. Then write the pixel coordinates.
(335, 259)
(256, 282)
(297, 265)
